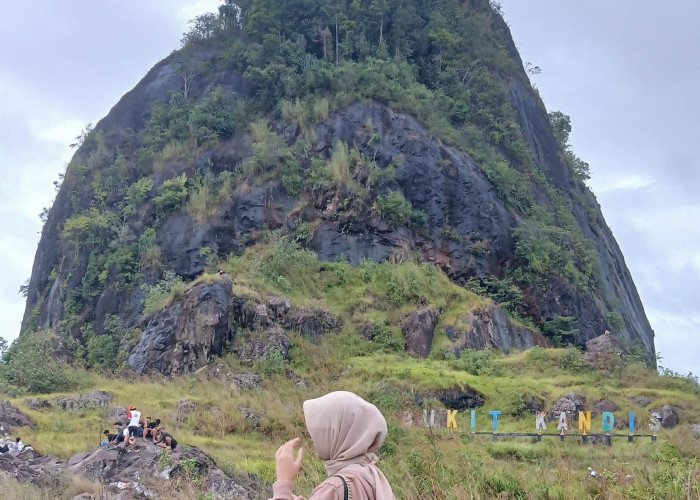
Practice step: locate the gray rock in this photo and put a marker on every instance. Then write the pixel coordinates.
(184, 408)
(490, 328)
(42, 471)
(571, 403)
(643, 402)
(183, 337)
(37, 404)
(604, 405)
(670, 416)
(11, 416)
(94, 399)
(459, 398)
(251, 416)
(117, 414)
(257, 346)
(243, 381)
(419, 330)
(312, 323)
(695, 428)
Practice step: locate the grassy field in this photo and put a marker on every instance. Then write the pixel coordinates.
(420, 462)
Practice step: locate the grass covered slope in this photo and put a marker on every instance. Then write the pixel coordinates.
(420, 463)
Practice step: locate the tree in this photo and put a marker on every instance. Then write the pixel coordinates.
(561, 127)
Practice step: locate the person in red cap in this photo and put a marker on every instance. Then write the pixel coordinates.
(134, 417)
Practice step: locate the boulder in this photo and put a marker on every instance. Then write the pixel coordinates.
(457, 398)
(571, 403)
(42, 471)
(125, 473)
(670, 416)
(12, 417)
(695, 428)
(643, 402)
(419, 330)
(184, 336)
(94, 399)
(604, 405)
(603, 352)
(251, 416)
(258, 345)
(117, 414)
(243, 381)
(533, 403)
(37, 404)
(312, 323)
(184, 408)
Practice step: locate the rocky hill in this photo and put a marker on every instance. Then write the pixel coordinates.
(385, 170)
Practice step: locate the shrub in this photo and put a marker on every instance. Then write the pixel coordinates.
(163, 293)
(29, 364)
(397, 209)
(171, 195)
(476, 362)
(101, 352)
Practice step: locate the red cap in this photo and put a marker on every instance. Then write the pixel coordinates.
(132, 408)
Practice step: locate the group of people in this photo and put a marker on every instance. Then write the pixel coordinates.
(7, 446)
(125, 437)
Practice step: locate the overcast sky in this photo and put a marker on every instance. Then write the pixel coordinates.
(627, 72)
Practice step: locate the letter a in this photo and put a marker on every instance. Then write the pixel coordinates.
(451, 419)
(563, 424)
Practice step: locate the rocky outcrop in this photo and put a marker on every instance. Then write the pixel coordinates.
(669, 416)
(258, 346)
(94, 399)
(604, 405)
(243, 381)
(457, 398)
(490, 328)
(603, 352)
(184, 336)
(571, 403)
(419, 330)
(37, 404)
(145, 474)
(12, 417)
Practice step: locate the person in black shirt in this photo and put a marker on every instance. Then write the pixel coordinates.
(165, 440)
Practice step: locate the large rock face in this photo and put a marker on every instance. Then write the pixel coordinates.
(490, 328)
(185, 335)
(471, 231)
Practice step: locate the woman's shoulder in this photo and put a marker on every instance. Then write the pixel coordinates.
(332, 488)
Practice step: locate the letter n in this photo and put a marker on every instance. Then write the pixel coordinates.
(584, 421)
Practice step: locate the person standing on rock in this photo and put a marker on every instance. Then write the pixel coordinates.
(346, 431)
(134, 417)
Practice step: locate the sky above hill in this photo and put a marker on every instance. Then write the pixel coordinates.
(626, 72)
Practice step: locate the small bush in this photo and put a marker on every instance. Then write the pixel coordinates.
(476, 362)
(397, 209)
(171, 195)
(163, 293)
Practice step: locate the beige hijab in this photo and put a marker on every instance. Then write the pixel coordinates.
(346, 431)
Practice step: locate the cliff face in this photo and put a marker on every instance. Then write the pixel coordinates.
(471, 229)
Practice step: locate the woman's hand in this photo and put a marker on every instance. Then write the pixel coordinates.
(288, 466)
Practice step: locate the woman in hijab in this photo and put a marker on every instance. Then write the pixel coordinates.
(346, 431)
